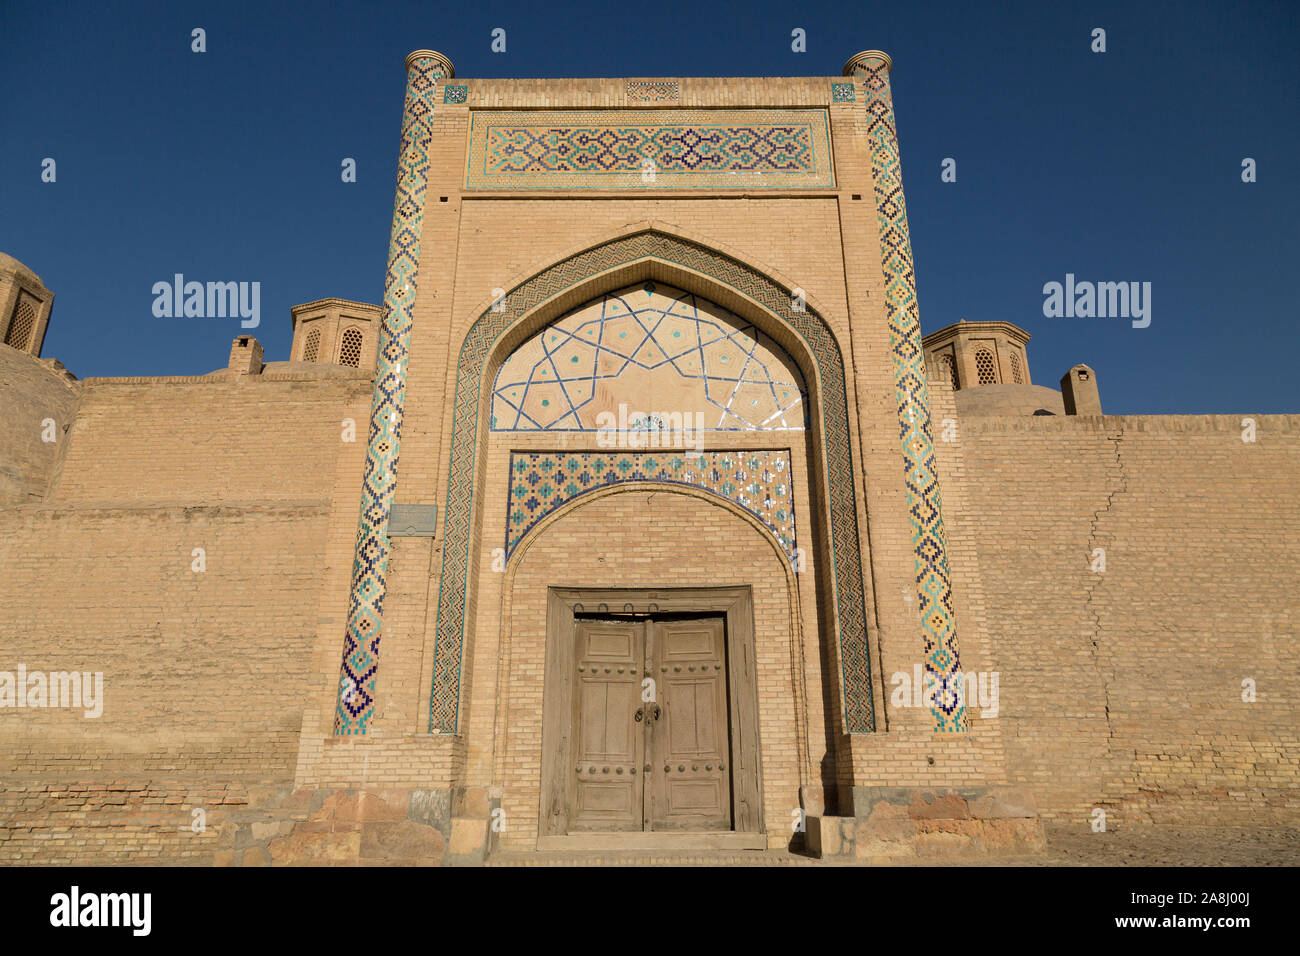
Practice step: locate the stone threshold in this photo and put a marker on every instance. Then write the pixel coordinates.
(653, 841)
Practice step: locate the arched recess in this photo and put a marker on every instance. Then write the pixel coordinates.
(742, 288)
(350, 347)
(797, 668)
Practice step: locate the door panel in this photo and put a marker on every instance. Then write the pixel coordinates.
(689, 743)
(609, 740)
(704, 717)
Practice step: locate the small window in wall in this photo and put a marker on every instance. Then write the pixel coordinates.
(985, 368)
(311, 346)
(1016, 375)
(350, 350)
(948, 370)
(22, 324)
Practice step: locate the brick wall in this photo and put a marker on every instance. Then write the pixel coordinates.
(1123, 688)
(1013, 400)
(209, 439)
(35, 391)
(204, 672)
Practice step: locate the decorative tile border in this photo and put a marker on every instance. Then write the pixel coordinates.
(356, 696)
(924, 506)
(649, 149)
(455, 94)
(653, 91)
(838, 491)
(843, 93)
(758, 481)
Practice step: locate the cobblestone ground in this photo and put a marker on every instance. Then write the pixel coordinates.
(1173, 846)
(1067, 845)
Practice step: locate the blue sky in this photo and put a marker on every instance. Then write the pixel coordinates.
(1122, 166)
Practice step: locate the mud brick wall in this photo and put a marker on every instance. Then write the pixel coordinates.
(204, 672)
(1123, 689)
(33, 391)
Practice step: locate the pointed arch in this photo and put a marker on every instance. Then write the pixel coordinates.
(799, 673)
(350, 347)
(652, 252)
(311, 345)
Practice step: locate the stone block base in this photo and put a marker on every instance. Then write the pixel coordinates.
(366, 827)
(403, 827)
(898, 824)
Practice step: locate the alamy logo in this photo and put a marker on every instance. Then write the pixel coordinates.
(213, 300)
(1103, 300)
(633, 429)
(103, 909)
(56, 689)
(924, 689)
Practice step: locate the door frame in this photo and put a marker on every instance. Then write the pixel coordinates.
(736, 605)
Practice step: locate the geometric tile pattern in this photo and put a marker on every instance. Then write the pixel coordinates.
(845, 565)
(356, 697)
(649, 149)
(455, 94)
(924, 506)
(653, 91)
(758, 481)
(843, 93)
(585, 363)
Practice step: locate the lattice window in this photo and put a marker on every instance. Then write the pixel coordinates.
(985, 368)
(948, 370)
(1016, 375)
(23, 323)
(311, 346)
(350, 350)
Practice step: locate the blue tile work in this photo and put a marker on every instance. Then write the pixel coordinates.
(356, 698)
(843, 93)
(565, 374)
(455, 94)
(933, 585)
(838, 490)
(758, 481)
(620, 149)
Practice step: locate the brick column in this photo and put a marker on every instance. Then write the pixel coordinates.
(425, 70)
(933, 586)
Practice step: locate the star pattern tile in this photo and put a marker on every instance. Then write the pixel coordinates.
(602, 353)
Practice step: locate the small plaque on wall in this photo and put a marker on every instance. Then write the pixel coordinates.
(413, 521)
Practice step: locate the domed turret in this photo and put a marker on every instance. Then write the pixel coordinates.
(987, 366)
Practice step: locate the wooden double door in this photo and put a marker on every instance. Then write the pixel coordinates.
(650, 739)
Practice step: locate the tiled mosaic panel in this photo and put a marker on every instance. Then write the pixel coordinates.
(652, 338)
(356, 697)
(653, 91)
(843, 93)
(933, 585)
(455, 94)
(758, 481)
(609, 149)
(847, 581)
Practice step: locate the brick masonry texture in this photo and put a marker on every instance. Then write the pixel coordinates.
(1123, 689)
(34, 393)
(203, 672)
(1119, 690)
